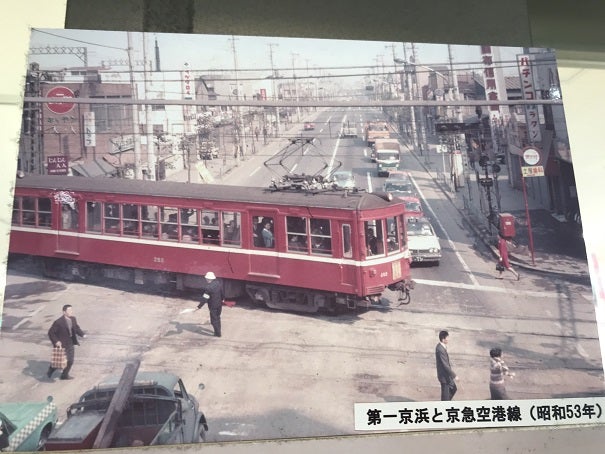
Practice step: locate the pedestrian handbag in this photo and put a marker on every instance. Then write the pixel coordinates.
(58, 358)
(499, 266)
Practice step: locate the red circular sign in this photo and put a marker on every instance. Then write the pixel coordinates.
(60, 107)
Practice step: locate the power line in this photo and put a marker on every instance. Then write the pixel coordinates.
(78, 40)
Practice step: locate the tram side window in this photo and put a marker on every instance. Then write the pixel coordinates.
(296, 229)
(130, 218)
(393, 235)
(112, 218)
(169, 222)
(374, 237)
(347, 249)
(16, 219)
(321, 237)
(44, 212)
(189, 229)
(28, 211)
(210, 228)
(263, 234)
(149, 221)
(232, 228)
(32, 211)
(69, 216)
(93, 216)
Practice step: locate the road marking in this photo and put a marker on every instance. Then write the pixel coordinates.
(329, 170)
(369, 175)
(26, 318)
(489, 288)
(449, 240)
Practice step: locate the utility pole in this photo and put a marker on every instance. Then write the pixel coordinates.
(295, 88)
(138, 174)
(240, 126)
(409, 94)
(151, 156)
(422, 143)
(275, 95)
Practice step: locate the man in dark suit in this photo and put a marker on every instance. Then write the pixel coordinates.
(445, 374)
(212, 293)
(63, 333)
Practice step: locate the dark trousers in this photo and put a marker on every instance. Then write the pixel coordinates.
(448, 390)
(498, 391)
(70, 353)
(215, 318)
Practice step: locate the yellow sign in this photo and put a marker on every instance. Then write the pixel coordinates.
(532, 171)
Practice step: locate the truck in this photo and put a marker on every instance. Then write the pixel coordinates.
(156, 409)
(376, 130)
(388, 155)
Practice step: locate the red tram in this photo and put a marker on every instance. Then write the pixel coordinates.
(291, 250)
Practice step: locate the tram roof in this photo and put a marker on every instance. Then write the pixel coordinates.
(254, 195)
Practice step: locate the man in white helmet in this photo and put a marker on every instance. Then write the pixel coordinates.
(212, 293)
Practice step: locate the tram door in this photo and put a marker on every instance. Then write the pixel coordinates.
(264, 259)
(67, 236)
(347, 271)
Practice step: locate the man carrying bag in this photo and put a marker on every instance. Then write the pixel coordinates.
(63, 334)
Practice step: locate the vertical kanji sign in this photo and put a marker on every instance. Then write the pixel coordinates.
(528, 91)
(89, 130)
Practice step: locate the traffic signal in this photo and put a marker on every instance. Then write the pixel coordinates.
(449, 127)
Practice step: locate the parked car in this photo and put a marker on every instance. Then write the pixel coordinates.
(159, 412)
(423, 243)
(26, 426)
(308, 126)
(343, 179)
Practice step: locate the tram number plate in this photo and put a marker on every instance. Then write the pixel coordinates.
(396, 270)
(158, 260)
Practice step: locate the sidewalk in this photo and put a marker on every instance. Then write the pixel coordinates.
(558, 247)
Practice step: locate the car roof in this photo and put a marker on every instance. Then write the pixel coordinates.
(399, 175)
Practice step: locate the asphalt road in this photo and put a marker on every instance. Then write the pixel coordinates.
(280, 375)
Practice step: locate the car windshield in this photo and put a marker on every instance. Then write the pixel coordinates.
(420, 229)
(398, 187)
(412, 206)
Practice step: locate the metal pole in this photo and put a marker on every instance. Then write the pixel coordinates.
(531, 237)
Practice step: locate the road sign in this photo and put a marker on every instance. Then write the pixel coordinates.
(89, 130)
(532, 171)
(60, 107)
(57, 165)
(531, 156)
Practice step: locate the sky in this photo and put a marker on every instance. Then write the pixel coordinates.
(207, 52)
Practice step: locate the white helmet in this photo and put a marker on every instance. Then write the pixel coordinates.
(210, 276)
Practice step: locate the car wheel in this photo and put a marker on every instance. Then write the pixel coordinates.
(202, 435)
(44, 437)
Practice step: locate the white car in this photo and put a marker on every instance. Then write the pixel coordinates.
(423, 243)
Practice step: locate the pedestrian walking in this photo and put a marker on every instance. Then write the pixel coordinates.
(63, 333)
(212, 293)
(497, 370)
(447, 377)
(503, 262)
